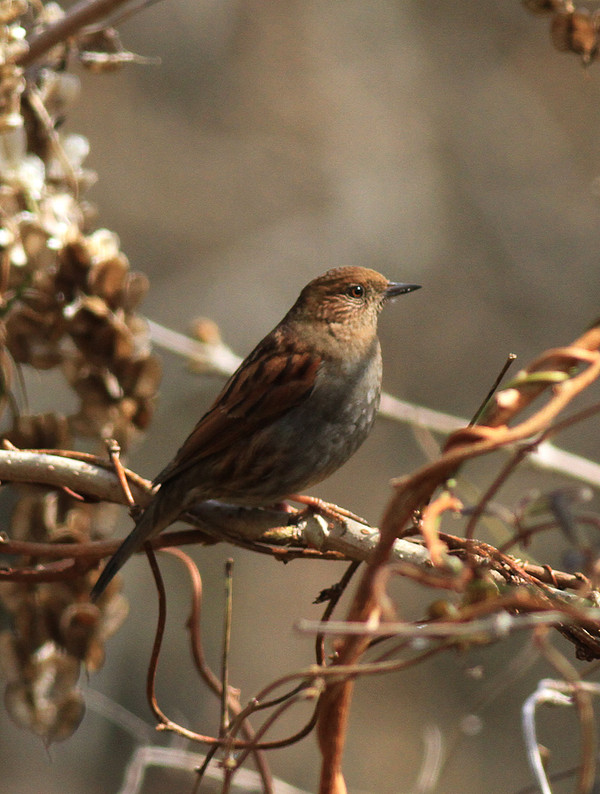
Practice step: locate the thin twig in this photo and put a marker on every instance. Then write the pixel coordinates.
(84, 13)
(201, 771)
(519, 456)
(334, 594)
(304, 694)
(164, 722)
(224, 722)
(158, 637)
(114, 453)
(209, 677)
(509, 360)
(525, 533)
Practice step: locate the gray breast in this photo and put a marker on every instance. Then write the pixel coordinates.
(317, 437)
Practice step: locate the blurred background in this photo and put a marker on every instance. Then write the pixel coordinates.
(442, 143)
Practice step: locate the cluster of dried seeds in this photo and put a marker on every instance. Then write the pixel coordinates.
(572, 29)
(68, 302)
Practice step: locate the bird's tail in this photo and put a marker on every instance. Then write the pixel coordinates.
(152, 521)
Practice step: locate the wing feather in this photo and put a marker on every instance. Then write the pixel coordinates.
(268, 384)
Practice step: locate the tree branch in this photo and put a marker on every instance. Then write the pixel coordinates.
(87, 475)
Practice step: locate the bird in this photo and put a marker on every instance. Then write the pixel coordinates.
(297, 407)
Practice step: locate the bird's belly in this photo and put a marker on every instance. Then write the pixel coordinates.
(304, 447)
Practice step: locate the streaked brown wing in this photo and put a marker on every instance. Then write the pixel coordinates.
(264, 388)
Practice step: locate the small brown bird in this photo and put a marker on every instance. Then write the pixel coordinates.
(294, 411)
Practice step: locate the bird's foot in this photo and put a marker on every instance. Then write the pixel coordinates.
(326, 509)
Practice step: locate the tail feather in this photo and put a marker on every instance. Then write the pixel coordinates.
(152, 521)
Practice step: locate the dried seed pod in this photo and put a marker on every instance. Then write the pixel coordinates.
(144, 413)
(69, 301)
(12, 86)
(36, 320)
(25, 519)
(10, 666)
(40, 431)
(576, 31)
(65, 161)
(11, 9)
(73, 266)
(140, 378)
(89, 215)
(102, 245)
(206, 330)
(99, 421)
(34, 239)
(78, 628)
(77, 525)
(30, 340)
(141, 335)
(115, 608)
(12, 595)
(135, 290)
(10, 201)
(47, 515)
(98, 333)
(97, 387)
(61, 215)
(46, 700)
(58, 91)
(107, 278)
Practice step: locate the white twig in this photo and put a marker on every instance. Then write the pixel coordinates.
(431, 766)
(208, 358)
(245, 780)
(547, 456)
(547, 692)
(436, 421)
(118, 715)
(27, 466)
(492, 627)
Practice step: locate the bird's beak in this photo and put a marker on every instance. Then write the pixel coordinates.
(394, 289)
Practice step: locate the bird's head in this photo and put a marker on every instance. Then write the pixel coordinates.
(347, 301)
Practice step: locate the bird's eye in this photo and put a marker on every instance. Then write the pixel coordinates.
(355, 291)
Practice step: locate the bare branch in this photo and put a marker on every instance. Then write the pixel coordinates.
(87, 475)
(77, 17)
